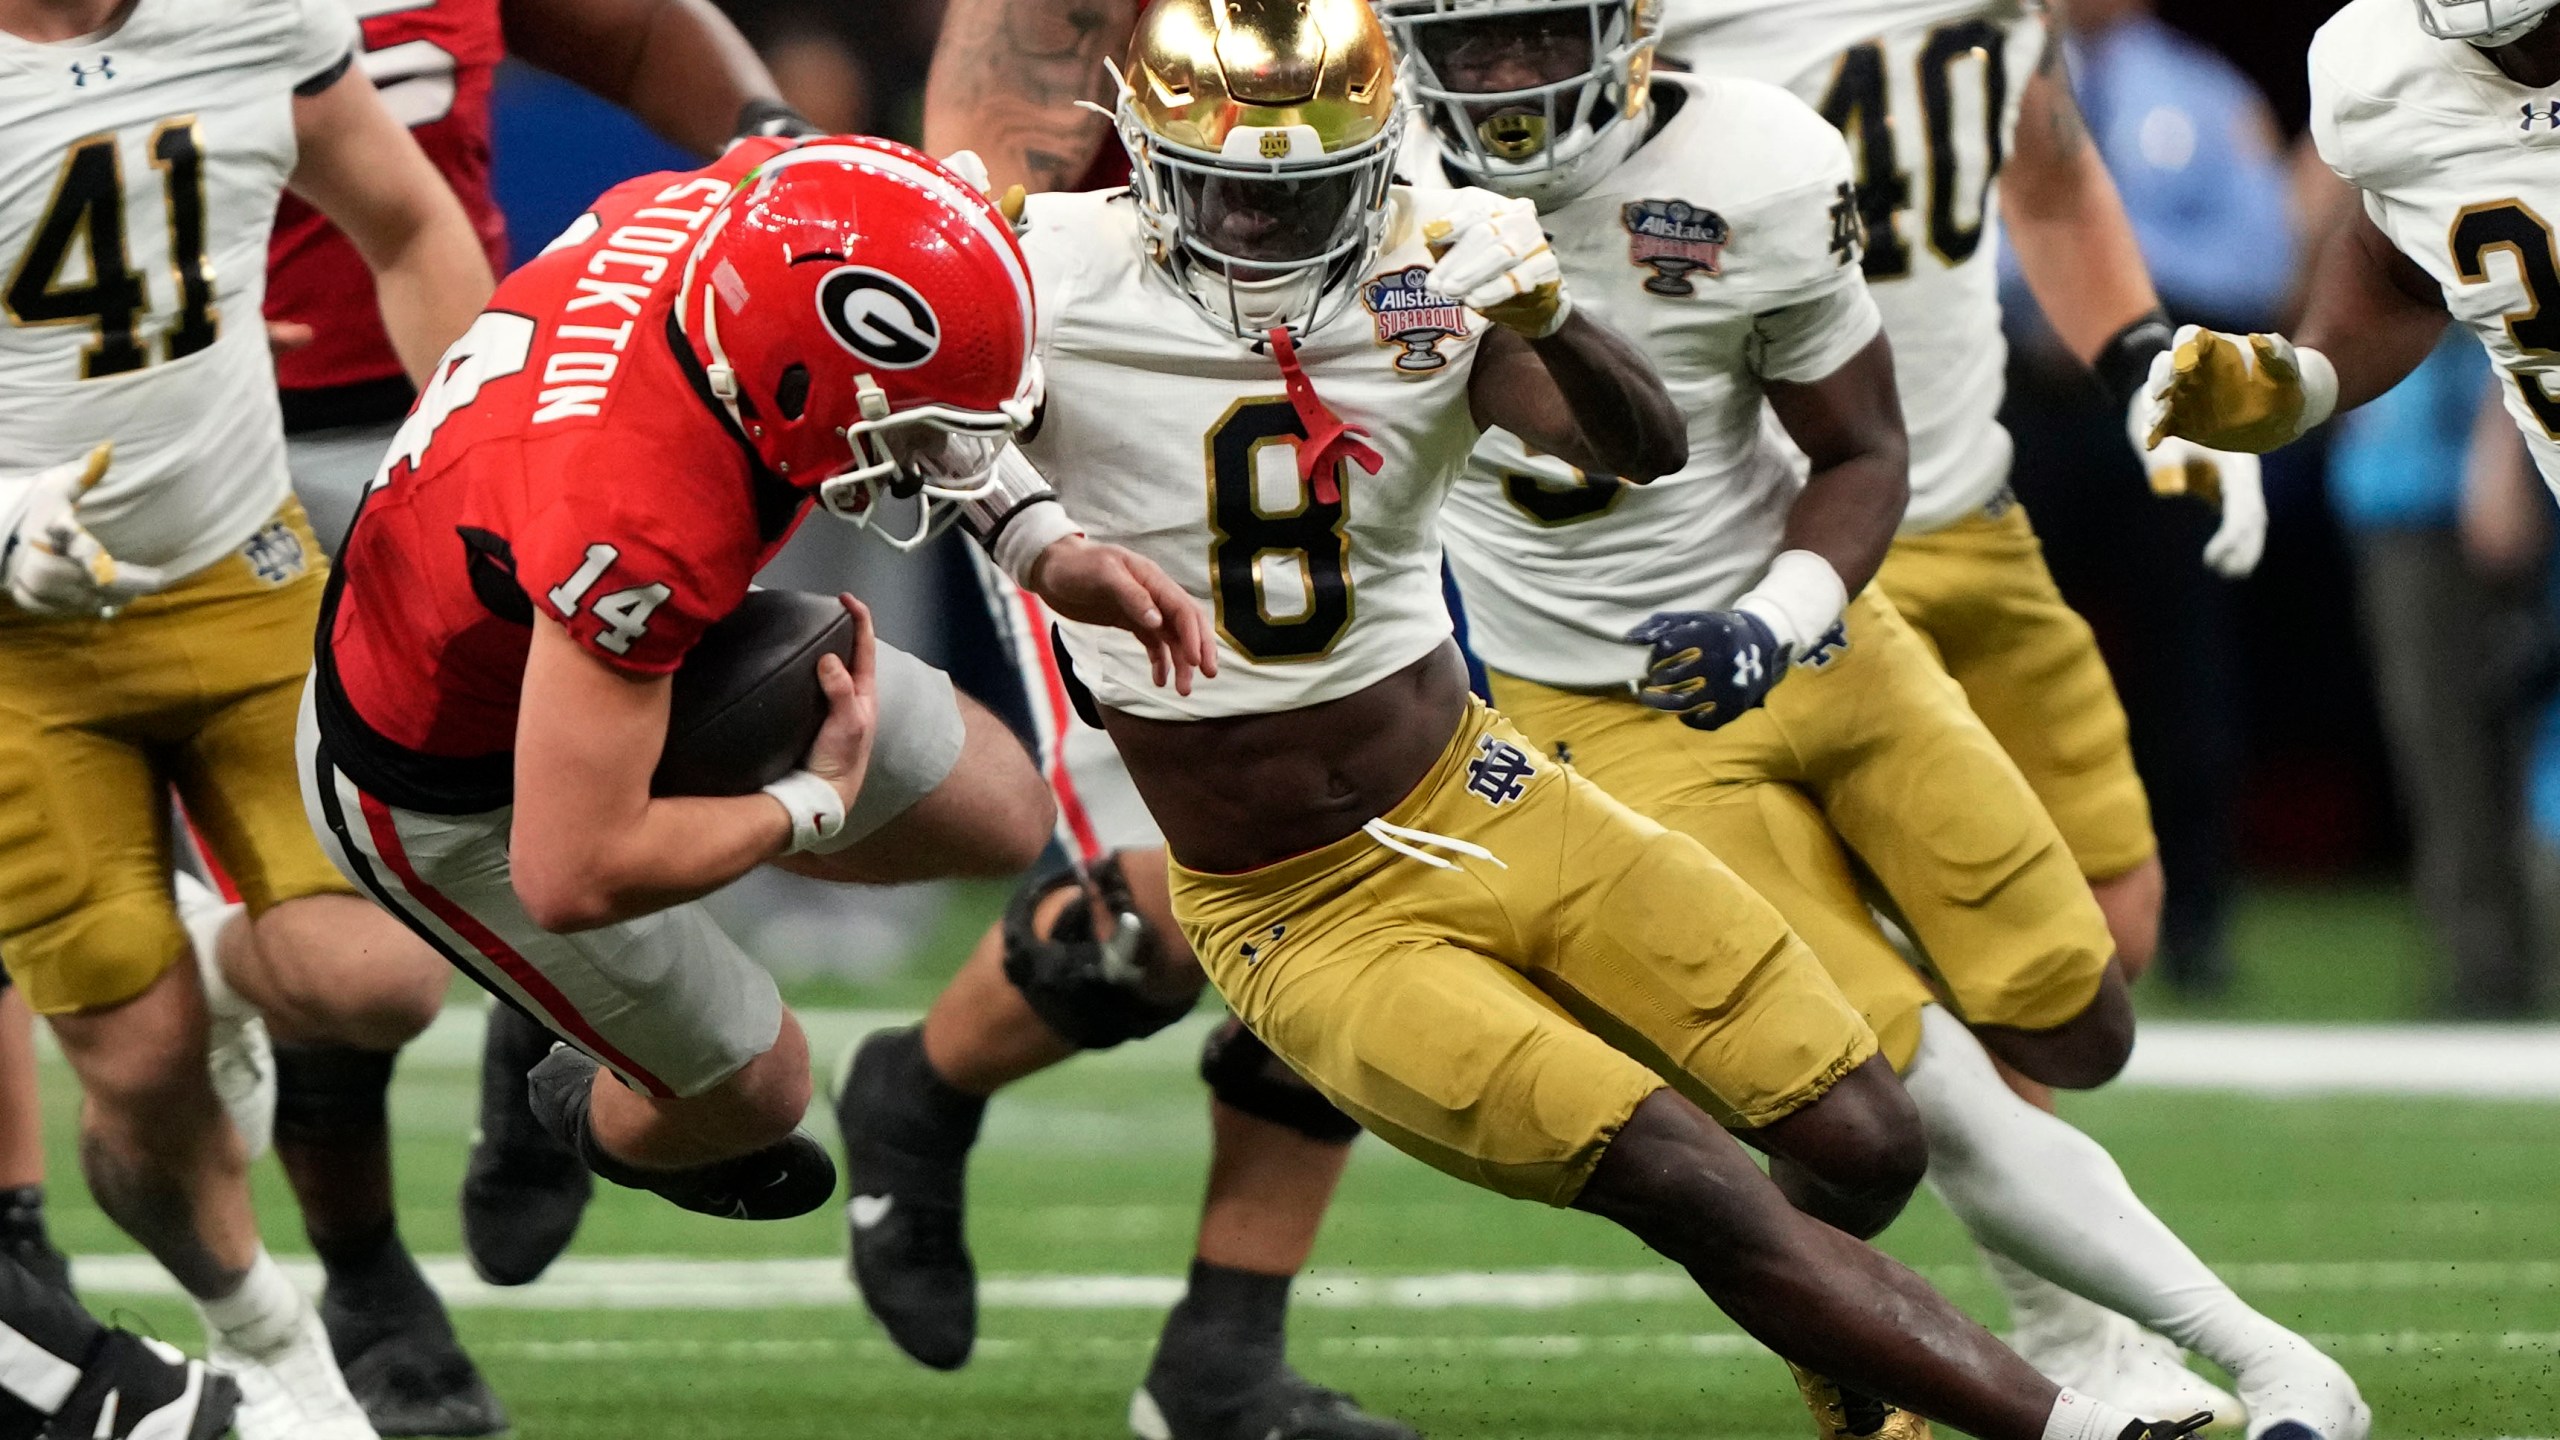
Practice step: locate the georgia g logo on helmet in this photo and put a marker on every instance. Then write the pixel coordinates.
(879, 317)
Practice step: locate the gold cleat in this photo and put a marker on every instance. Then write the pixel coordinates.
(1840, 1414)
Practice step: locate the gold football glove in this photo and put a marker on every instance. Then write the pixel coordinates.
(972, 168)
(2251, 393)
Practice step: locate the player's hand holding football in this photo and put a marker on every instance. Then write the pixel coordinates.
(50, 562)
(841, 755)
(2228, 480)
(2252, 393)
(1709, 666)
(1105, 585)
(1493, 258)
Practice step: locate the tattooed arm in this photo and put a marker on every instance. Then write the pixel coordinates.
(2065, 221)
(1005, 82)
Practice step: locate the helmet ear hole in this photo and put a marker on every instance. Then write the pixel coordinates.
(791, 392)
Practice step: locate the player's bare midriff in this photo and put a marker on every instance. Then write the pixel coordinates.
(1244, 791)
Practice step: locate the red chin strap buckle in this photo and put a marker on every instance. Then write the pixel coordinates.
(1330, 440)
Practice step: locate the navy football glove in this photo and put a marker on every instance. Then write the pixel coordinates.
(1709, 666)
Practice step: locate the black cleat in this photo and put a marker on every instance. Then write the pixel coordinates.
(906, 1145)
(137, 1389)
(397, 1349)
(524, 1192)
(1285, 1406)
(2195, 1424)
(790, 1177)
(24, 1238)
(41, 1260)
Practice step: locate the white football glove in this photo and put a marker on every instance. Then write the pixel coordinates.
(1493, 257)
(50, 562)
(2225, 479)
(972, 168)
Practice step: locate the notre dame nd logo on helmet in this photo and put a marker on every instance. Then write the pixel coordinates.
(1415, 316)
(1676, 240)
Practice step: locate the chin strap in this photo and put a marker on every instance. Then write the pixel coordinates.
(1330, 439)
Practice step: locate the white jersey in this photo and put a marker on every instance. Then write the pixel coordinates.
(1728, 264)
(139, 173)
(1167, 435)
(1926, 92)
(2460, 166)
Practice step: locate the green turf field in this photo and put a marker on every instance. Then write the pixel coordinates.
(2421, 1240)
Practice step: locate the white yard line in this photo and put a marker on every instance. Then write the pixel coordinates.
(2494, 1062)
(1705, 1345)
(666, 1283)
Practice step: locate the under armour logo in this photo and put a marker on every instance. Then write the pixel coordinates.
(104, 67)
(1564, 753)
(2547, 114)
(1498, 775)
(1252, 950)
(1748, 667)
(1827, 649)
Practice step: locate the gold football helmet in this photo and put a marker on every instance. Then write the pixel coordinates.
(1533, 98)
(1262, 137)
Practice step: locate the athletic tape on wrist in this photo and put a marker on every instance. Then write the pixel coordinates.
(1799, 597)
(816, 810)
(2319, 388)
(1028, 536)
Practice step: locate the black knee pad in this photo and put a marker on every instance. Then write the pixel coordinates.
(1243, 1072)
(1090, 992)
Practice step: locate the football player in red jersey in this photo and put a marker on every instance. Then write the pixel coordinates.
(683, 69)
(601, 464)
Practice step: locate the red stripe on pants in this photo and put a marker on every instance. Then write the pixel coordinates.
(1062, 714)
(386, 840)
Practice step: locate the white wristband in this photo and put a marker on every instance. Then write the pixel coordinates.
(816, 810)
(1028, 534)
(1799, 597)
(2319, 388)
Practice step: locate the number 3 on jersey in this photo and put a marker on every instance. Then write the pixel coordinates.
(86, 219)
(1253, 551)
(2511, 225)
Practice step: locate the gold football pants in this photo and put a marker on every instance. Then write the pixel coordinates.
(1865, 762)
(1509, 961)
(195, 688)
(1979, 592)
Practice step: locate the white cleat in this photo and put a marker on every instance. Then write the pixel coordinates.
(2107, 1357)
(290, 1388)
(2299, 1393)
(237, 1050)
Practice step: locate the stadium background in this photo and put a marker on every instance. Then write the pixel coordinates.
(2385, 1184)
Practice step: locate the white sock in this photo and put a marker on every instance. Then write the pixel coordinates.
(2040, 1192)
(2038, 1309)
(2077, 1417)
(260, 1315)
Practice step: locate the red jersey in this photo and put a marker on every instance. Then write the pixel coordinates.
(567, 458)
(433, 62)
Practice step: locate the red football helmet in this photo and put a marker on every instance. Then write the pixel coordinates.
(866, 317)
